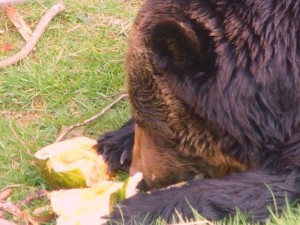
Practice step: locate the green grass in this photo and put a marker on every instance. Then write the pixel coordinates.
(77, 63)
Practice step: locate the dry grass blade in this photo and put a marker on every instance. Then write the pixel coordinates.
(10, 186)
(7, 116)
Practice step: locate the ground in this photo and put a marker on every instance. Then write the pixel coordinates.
(78, 63)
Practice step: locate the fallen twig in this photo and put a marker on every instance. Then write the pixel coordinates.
(67, 130)
(41, 27)
(14, 208)
(11, 208)
(5, 194)
(18, 21)
(33, 196)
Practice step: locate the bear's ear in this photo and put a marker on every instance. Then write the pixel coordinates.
(177, 48)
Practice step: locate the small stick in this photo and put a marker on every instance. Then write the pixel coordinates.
(66, 131)
(18, 21)
(11, 208)
(5, 194)
(15, 211)
(35, 195)
(41, 27)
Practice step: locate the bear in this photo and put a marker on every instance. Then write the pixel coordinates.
(214, 89)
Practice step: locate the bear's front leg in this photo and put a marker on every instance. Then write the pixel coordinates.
(253, 193)
(116, 147)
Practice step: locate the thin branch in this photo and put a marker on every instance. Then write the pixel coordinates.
(18, 21)
(33, 196)
(69, 129)
(11, 208)
(5, 193)
(15, 208)
(41, 27)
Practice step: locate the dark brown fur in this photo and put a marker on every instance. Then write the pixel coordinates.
(214, 87)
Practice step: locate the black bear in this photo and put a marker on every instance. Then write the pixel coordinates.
(214, 87)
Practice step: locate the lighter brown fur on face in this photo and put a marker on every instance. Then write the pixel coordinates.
(157, 166)
(163, 167)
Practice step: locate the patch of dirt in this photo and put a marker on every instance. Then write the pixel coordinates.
(24, 118)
